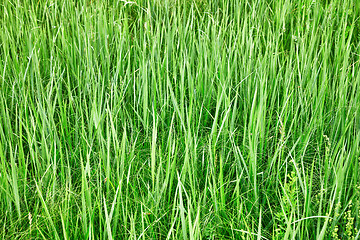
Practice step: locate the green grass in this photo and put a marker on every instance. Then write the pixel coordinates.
(171, 119)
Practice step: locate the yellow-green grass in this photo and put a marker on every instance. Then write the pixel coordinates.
(169, 119)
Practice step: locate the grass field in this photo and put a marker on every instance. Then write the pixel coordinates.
(171, 119)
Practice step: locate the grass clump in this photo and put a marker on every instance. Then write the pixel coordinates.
(179, 120)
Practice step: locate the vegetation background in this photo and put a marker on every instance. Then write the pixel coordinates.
(170, 119)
